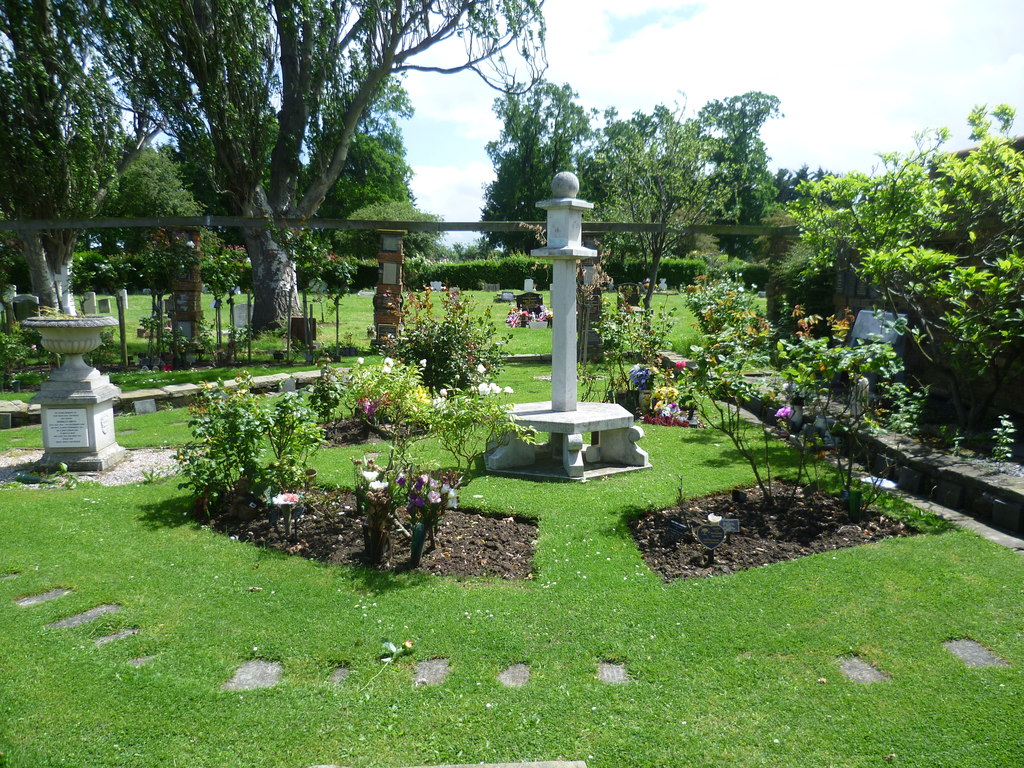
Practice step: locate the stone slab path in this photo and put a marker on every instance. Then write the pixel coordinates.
(255, 674)
(515, 676)
(613, 674)
(85, 617)
(100, 641)
(974, 654)
(42, 597)
(859, 671)
(431, 672)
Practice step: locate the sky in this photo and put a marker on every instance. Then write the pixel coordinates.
(854, 78)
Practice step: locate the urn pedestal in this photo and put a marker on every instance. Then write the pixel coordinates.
(77, 402)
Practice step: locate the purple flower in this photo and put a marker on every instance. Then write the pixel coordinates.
(784, 412)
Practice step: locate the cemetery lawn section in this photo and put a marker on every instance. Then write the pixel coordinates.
(739, 670)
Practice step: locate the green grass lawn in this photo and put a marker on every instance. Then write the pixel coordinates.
(736, 671)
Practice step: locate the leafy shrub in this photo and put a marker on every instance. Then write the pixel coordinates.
(458, 349)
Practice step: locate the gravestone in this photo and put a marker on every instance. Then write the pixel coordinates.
(528, 285)
(531, 302)
(507, 296)
(89, 303)
(663, 285)
(240, 315)
(103, 306)
(25, 305)
(42, 597)
(145, 406)
(435, 285)
(877, 326)
(613, 674)
(629, 294)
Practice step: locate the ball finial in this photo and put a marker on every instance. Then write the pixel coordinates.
(565, 184)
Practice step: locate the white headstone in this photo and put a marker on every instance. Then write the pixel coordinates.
(663, 284)
(240, 315)
(288, 385)
(528, 284)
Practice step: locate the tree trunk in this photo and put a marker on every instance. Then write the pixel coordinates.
(273, 281)
(49, 259)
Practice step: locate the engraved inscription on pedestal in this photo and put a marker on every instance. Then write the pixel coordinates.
(67, 428)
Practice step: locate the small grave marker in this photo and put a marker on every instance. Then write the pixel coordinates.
(677, 529)
(710, 535)
(116, 636)
(145, 406)
(730, 524)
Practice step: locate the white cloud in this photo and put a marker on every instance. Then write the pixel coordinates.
(853, 79)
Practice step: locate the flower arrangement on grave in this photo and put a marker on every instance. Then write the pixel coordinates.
(641, 376)
(521, 318)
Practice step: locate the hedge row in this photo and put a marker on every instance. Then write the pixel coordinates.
(93, 271)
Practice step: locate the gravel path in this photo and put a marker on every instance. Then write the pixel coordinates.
(139, 463)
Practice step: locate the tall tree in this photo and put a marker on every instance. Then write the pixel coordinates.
(543, 132)
(151, 185)
(733, 128)
(655, 169)
(279, 89)
(60, 129)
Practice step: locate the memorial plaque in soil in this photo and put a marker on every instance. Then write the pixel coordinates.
(710, 535)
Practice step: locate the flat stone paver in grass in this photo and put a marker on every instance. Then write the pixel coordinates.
(613, 674)
(974, 654)
(254, 674)
(43, 597)
(7, 576)
(515, 676)
(859, 671)
(85, 617)
(339, 675)
(431, 672)
(541, 764)
(141, 661)
(116, 636)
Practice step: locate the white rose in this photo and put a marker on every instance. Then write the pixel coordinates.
(482, 388)
(508, 390)
(495, 389)
(360, 361)
(480, 368)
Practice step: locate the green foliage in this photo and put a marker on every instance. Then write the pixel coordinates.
(327, 394)
(151, 185)
(653, 169)
(630, 335)
(455, 347)
(941, 234)
(14, 351)
(1003, 438)
(544, 131)
(365, 243)
(721, 305)
(228, 431)
(294, 438)
(733, 127)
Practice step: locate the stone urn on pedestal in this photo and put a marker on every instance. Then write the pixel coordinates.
(77, 402)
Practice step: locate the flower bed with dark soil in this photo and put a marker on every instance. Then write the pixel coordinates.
(804, 525)
(468, 543)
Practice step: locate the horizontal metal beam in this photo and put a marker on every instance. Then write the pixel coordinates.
(192, 222)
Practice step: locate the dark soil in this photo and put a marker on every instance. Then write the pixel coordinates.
(351, 431)
(805, 525)
(467, 544)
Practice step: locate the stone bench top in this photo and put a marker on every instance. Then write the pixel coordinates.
(588, 417)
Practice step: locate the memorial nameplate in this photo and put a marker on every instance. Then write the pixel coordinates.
(676, 529)
(710, 535)
(67, 428)
(730, 524)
